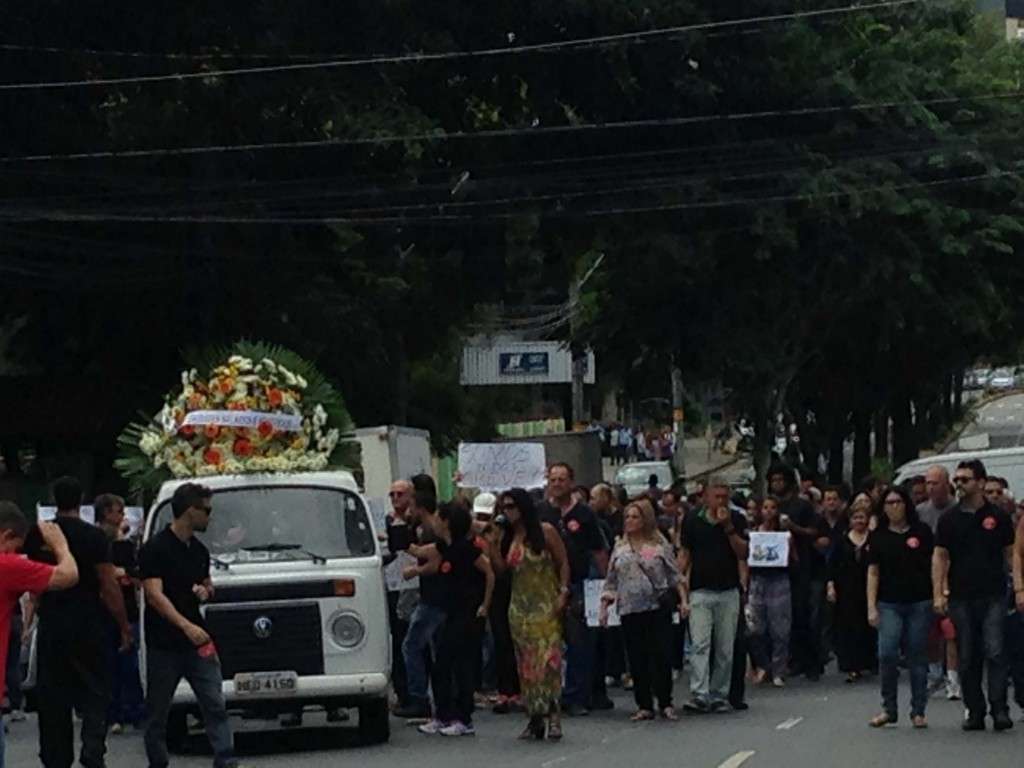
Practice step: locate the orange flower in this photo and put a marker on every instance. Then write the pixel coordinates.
(242, 447)
(195, 402)
(275, 397)
(266, 429)
(236, 406)
(212, 431)
(212, 456)
(227, 385)
(187, 431)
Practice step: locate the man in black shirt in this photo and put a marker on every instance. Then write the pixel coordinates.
(175, 571)
(973, 545)
(808, 576)
(72, 638)
(712, 549)
(587, 551)
(126, 703)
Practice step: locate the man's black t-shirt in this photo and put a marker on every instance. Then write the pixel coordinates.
(462, 583)
(80, 605)
(904, 563)
(819, 559)
(180, 565)
(432, 589)
(713, 562)
(122, 555)
(801, 513)
(975, 540)
(581, 534)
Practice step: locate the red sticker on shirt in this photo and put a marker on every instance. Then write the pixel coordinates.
(573, 526)
(989, 523)
(446, 567)
(913, 542)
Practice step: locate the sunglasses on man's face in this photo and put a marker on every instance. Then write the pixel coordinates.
(961, 479)
(207, 509)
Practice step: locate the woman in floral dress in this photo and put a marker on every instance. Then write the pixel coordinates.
(540, 588)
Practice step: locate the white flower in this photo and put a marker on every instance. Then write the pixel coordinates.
(268, 364)
(301, 382)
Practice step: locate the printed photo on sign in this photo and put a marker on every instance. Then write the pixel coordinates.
(769, 550)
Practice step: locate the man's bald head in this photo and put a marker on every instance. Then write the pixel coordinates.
(936, 479)
(401, 496)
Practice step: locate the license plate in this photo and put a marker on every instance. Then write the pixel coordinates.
(266, 683)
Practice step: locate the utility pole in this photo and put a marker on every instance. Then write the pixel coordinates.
(579, 355)
(678, 418)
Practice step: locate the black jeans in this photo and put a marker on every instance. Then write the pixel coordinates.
(1014, 645)
(505, 669)
(647, 637)
(398, 630)
(164, 670)
(72, 675)
(740, 648)
(979, 640)
(454, 673)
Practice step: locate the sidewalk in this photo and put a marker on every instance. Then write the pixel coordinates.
(698, 461)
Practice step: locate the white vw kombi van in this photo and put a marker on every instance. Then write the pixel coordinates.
(299, 615)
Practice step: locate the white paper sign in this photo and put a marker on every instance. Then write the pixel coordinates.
(393, 573)
(500, 466)
(592, 589)
(769, 550)
(251, 419)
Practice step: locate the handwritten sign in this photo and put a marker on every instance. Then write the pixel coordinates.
(500, 466)
(769, 550)
(393, 573)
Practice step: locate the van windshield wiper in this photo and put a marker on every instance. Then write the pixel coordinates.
(279, 547)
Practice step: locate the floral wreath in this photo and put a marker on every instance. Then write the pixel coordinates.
(251, 408)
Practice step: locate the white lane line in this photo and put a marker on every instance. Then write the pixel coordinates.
(787, 725)
(556, 761)
(738, 759)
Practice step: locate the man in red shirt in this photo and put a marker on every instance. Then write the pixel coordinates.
(18, 575)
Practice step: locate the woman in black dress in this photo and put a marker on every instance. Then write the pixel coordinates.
(856, 640)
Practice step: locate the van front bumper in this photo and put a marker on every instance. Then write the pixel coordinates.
(335, 690)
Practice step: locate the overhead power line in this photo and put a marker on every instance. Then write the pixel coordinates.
(440, 135)
(559, 45)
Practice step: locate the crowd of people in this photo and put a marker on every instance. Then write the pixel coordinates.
(928, 575)
(920, 575)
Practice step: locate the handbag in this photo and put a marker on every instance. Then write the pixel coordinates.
(667, 599)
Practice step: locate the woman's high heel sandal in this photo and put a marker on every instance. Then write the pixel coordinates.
(534, 729)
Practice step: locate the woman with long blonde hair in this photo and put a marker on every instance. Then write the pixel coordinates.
(643, 582)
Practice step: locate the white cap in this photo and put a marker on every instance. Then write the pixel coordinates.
(484, 504)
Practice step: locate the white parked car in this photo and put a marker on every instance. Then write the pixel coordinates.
(635, 477)
(1002, 378)
(299, 613)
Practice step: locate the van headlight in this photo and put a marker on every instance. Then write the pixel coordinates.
(348, 630)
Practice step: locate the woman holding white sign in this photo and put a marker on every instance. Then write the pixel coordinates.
(772, 552)
(644, 583)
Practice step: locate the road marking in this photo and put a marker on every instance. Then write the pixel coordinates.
(787, 725)
(737, 760)
(556, 761)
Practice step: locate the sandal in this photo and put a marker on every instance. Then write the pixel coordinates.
(642, 714)
(534, 729)
(555, 728)
(669, 713)
(881, 720)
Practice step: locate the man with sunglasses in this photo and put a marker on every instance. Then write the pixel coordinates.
(974, 544)
(175, 570)
(399, 534)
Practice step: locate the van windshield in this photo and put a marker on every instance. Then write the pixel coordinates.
(258, 524)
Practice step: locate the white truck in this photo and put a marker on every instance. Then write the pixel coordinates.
(390, 453)
(299, 614)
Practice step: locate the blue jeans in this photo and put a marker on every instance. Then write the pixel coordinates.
(907, 624)
(979, 639)
(164, 670)
(580, 642)
(126, 701)
(714, 621)
(422, 635)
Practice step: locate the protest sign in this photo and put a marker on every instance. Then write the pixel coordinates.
(500, 466)
(769, 550)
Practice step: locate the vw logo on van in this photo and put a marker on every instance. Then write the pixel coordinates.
(263, 627)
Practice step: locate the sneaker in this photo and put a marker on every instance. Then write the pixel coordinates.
(1002, 722)
(720, 707)
(116, 729)
(17, 716)
(432, 727)
(699, 706)
(778, 682)
(627, 682)
(458, 729)
(953, 692)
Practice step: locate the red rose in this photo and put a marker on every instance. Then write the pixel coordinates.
(989, 523)
(242, 447)
(187, 431)
(212, 456)
(913, 542)
(274, 397)
(446, 567)
(573, 526)
(212, 431)
(265, 428)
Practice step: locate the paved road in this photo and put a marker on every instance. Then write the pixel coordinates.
(806, 724)
(1002, 420)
